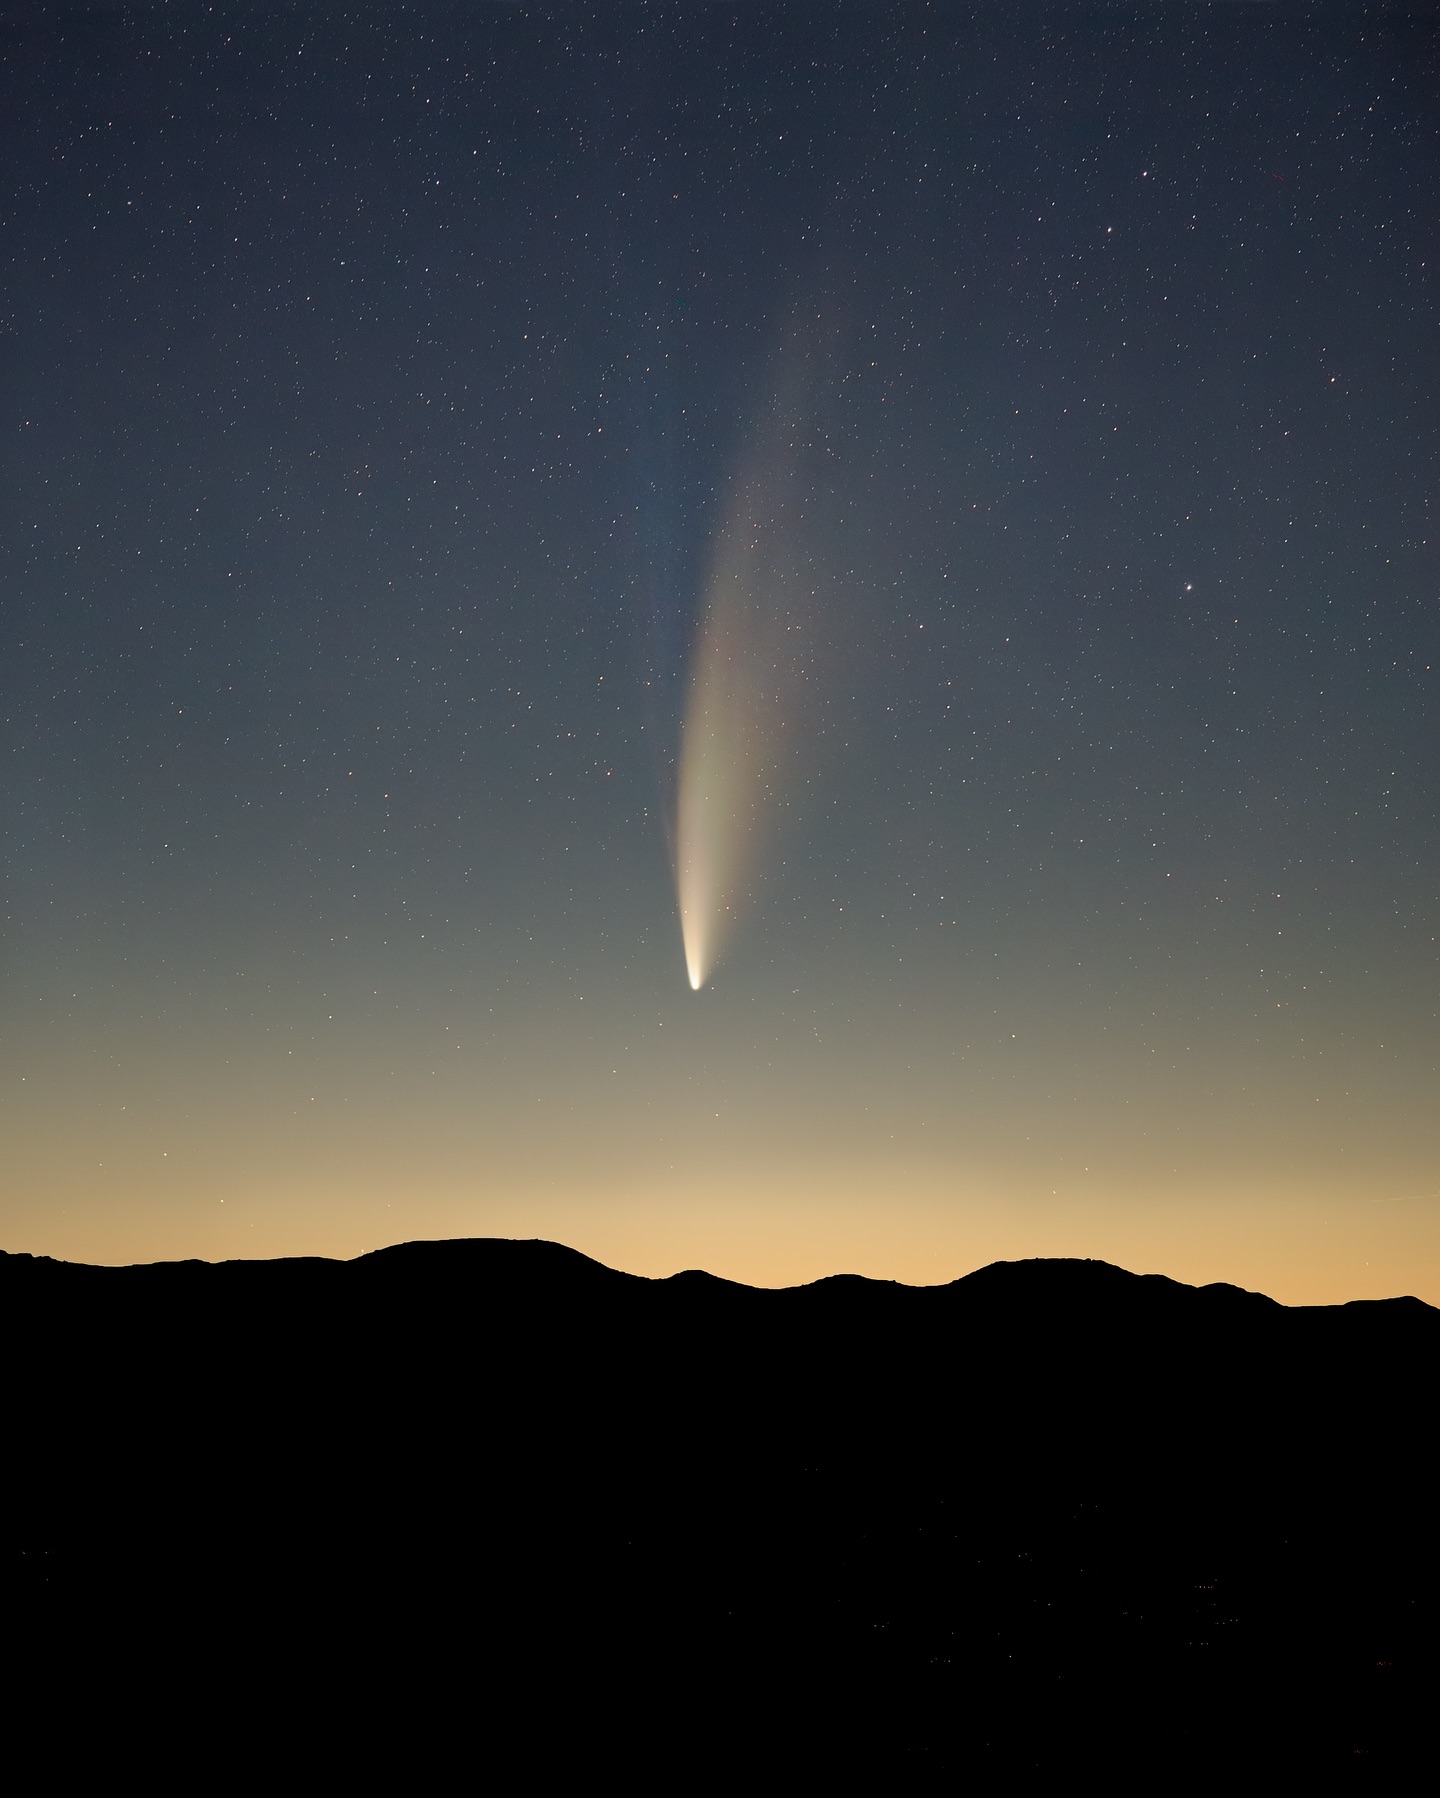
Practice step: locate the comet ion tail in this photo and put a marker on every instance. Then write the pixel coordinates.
(748, 684)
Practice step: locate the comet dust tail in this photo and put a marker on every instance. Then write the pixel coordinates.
(751, 679)
(716, 799)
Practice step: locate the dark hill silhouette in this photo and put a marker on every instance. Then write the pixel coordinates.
(1050, 1517)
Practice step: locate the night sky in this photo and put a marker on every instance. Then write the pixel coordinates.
(389, 393)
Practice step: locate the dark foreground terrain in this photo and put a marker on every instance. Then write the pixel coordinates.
(491, 1504)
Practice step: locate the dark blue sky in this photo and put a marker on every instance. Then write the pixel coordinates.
(374, 381)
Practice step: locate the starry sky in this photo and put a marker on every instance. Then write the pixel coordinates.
(378, 385)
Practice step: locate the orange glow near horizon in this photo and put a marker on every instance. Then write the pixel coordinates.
(767, 1203)
(817, 1114)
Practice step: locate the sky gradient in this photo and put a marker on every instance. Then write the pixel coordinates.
(379, 388)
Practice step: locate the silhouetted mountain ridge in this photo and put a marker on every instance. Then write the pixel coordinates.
(541, 1265)
(1046, 1516)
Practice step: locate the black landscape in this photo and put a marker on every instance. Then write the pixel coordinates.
(492, 1497)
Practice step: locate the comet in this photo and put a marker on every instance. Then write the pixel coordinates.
(751, 669)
